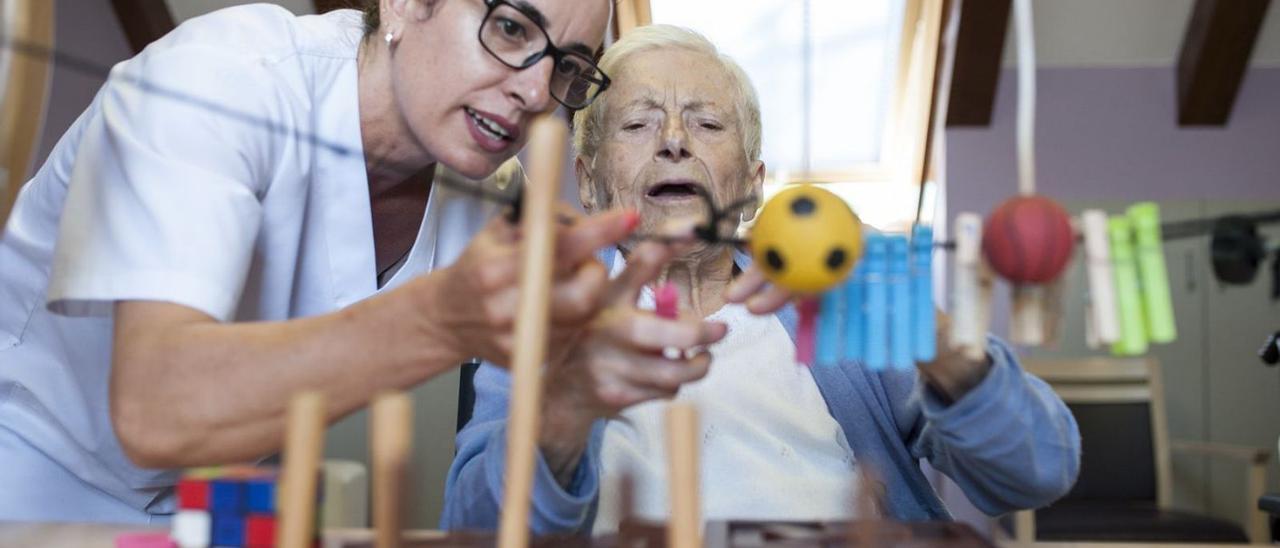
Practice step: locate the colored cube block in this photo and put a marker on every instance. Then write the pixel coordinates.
(193, 494)
(261, 494)
(227, 495)
(228, 530)
(191, 529)
(260, 531)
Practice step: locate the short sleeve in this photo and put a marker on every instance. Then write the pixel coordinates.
(163, 201)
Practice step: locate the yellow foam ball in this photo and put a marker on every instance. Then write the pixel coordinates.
(806, 239)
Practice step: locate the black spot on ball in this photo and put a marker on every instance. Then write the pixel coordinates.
(803, 206)
(774, 260)
(835, 259)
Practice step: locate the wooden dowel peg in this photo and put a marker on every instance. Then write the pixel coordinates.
(684, 526)
(391, 440)
(547, 138)
(296, 498)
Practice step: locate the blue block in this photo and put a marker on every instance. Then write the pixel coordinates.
(261, 495)
(227, 496)
(228, 530)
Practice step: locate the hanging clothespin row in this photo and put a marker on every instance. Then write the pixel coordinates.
(883, 315)
(971, 291)
(1157, 303)
(1133, 332)
(1102, 327)
(806, 239)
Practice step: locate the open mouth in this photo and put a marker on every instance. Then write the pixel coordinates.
(489, 127)
(673, 190)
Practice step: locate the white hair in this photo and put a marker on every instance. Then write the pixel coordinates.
(588, 121)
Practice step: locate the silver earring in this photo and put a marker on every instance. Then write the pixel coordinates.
(389, 37)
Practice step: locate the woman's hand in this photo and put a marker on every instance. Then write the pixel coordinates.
(617, 361)
(474, 300)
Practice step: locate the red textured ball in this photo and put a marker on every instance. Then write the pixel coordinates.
(1028, 239)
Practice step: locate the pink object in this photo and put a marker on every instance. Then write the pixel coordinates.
(667, 300)
(145, 540)
(808, 309)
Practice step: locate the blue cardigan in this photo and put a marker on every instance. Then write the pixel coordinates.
(1010, 444)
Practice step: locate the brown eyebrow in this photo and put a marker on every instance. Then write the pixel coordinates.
(535, 15)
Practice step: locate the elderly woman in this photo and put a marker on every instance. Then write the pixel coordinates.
(779, 440)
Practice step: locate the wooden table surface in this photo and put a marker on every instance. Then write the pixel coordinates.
(100, 535)
(95, 535)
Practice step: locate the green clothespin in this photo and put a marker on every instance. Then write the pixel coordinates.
(1156, 301)
(1133, 332)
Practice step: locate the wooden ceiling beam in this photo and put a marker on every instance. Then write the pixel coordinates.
(979, 48)
(144, 21)
(1215, 53)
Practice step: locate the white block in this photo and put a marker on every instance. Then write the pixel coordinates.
(192, 529)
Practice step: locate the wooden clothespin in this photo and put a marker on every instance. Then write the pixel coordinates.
(1102, 327)
(971, 294)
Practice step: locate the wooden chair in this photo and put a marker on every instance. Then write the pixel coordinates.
(1125, 489)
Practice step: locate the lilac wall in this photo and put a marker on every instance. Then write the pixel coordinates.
(1112, 134)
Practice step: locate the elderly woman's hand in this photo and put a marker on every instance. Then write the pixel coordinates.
(761, 297)
(617, 361)
(951, 374)
(475, 298)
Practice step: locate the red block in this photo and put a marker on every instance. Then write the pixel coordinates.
(193, 494)
(259, 531)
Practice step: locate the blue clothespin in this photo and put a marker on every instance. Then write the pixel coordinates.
(922, 318)
(899, 280)
(830, 320)
(855, 313)
(876, 346)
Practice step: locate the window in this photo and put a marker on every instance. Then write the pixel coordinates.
(845, 90)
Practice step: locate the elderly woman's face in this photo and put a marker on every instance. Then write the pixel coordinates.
(466, 108)
(670, 128)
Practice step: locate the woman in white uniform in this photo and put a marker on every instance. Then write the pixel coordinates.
(246, 210)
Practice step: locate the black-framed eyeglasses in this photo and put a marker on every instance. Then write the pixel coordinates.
(513, 37)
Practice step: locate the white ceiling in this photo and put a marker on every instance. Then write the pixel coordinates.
(1069, 33)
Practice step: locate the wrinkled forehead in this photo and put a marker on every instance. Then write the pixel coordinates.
(672, 78)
